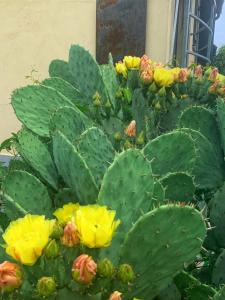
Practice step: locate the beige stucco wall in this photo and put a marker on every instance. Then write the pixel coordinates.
(160, 18)
(32, 33)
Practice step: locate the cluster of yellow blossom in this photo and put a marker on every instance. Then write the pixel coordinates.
(94, 224)
(91, 225)
(164, 76)
(150, 70)
(129, 62)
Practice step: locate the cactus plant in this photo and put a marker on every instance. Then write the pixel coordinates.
(73, 123)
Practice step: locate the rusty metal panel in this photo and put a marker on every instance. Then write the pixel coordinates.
(121, 28)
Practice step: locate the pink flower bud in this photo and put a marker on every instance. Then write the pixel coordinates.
(145, 63)
(147, 76)
(131, 129)
(84, 269)
(183, 75)
(213, 75)
(213, 88)
(198, 71)
(115, 296)
(70, 236)
(10, 276)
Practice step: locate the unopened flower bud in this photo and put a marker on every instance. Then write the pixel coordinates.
(127, 145)
(147, 76)
(108, 104)
(10, 276)
(183, 75)
(57, 231)
(115, 296)
(221, 91)
(117, 136)
(52, 249)
(131, 129)
(97, 99)
(214, 87)
(162, 92)
(141, 139)
(125, 273)
(157, 105)
(153, 88)
(145, 63)
(46, 286)
(70, 236)
(84, 269)
(213, 75)
(105, 268)
(198, 71)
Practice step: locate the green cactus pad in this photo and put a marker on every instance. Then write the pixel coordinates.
(159, 245)
(218, 274)
(158, 193)
(207, 159)
(110, 81)
(34, 105)
(66, 89)
(217, 212)
(221, 120)
(11, 208)
(74, 170)
(220, 295)
(86, 73)
(20, 165)
(112, 126)
(127, 187)
(65, 196)
(171, 152)
(203, 120)
(139, 110)
(71, 122)
(97, 151)
(191, 288)
(178, 187)
(170, 293)
(28, 192)
(37, 155)
(60, 68)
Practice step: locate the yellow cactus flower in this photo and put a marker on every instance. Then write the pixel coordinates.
(27, 237)
(163, 77)
(221, 78)
(132, 62)
(121, 69)
(95, 225)
(66, 213)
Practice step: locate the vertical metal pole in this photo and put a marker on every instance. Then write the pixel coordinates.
(211, 25)
(187, 5)
(174, 29)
